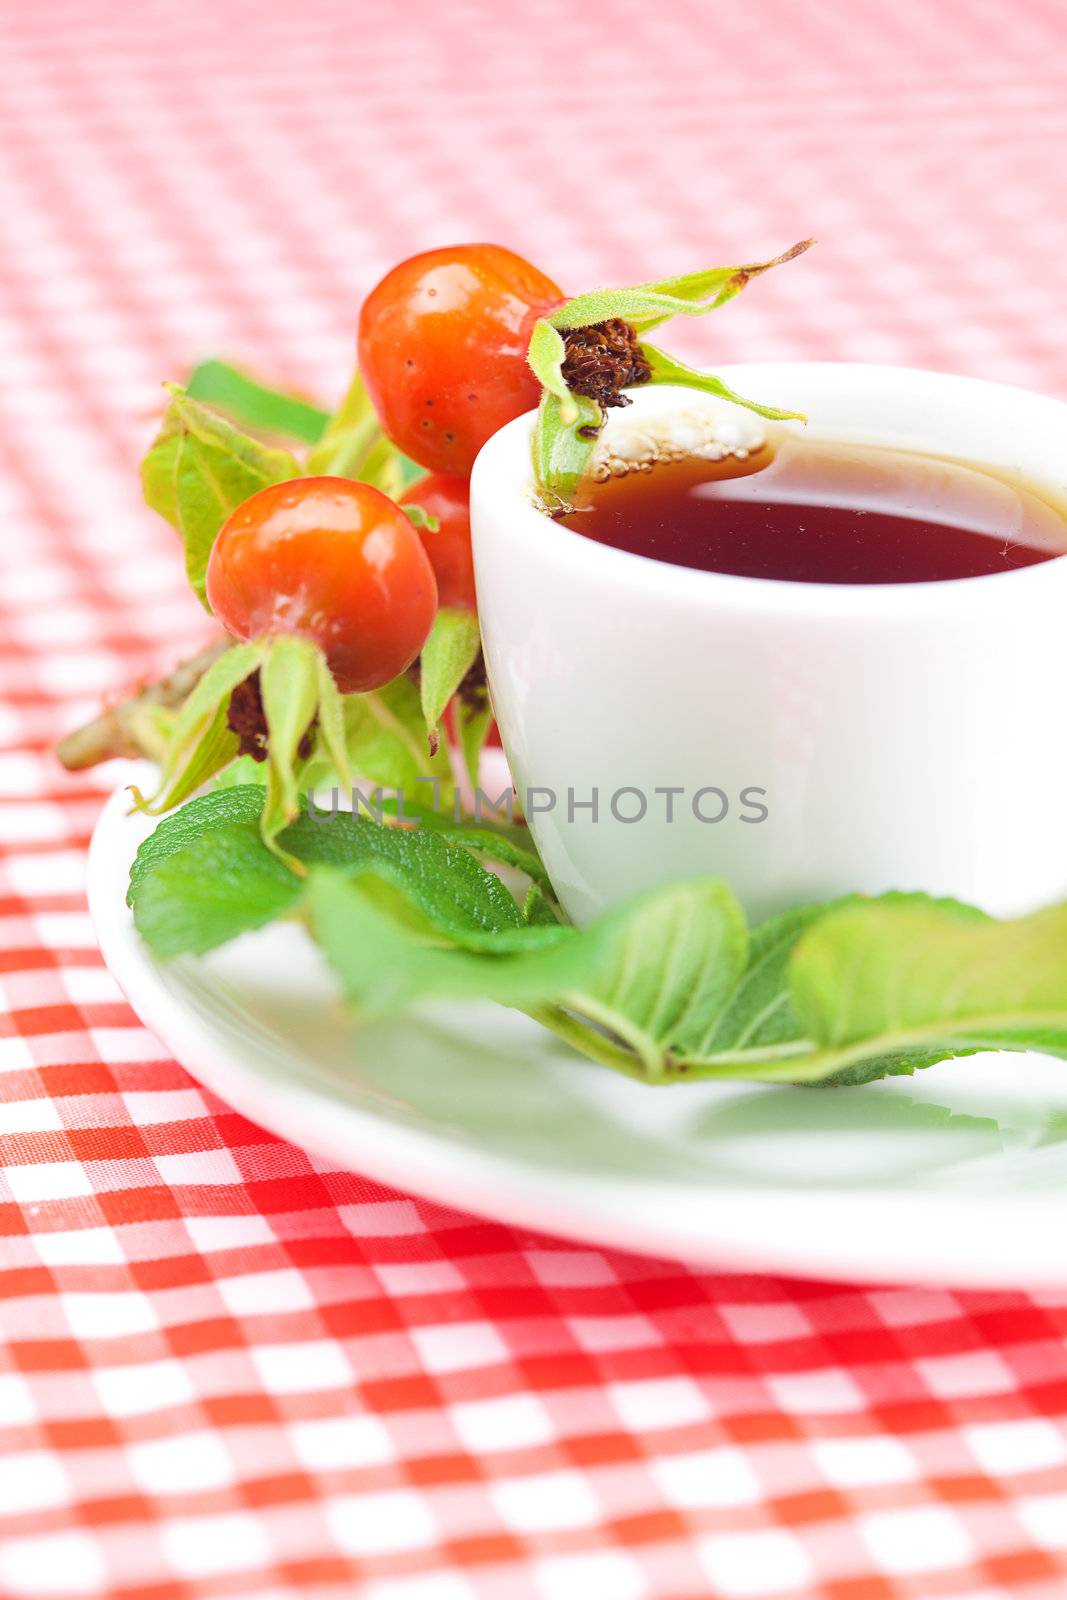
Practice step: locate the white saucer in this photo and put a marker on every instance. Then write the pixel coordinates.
(957, 1176)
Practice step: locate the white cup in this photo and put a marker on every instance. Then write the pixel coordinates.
(906, 736)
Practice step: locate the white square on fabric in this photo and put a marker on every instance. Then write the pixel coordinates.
(381, 1219)
(106, 1315)
(920, 1539)
(265, 1293)
(804, 1393)
(203, 1547)
(510, 1423)
(47, 1180)
(228, 1233)
(368, 1524)
(594, 1576)
(1044, 1516)
(332, 1444)
(571, 1269)
(976, 1372)
(132, 1391)
(302, 1368)
(453, 1346)
(624, 1332)
(651, 1403)
(545, 1501)
(209, 1167)
(16, 1400)
(32, 1480)
(183, 1464)
(29, 1116)
(707, 1478)
(52, 1563)
(765, 1324)
(79, 1247)
(856, 1463)
(762, 1563)
(1028, 1445)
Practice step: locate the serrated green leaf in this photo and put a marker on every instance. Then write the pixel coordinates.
(447, 656)
(676, 956)
(199, 469)
(442, 883)
(888, 979)
(251, 404)
(386, 965)
(501, 847)
(221, 808)
(221, 884)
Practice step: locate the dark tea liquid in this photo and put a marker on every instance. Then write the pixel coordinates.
(812, 511)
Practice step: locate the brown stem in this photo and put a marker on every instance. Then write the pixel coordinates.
(113, 732)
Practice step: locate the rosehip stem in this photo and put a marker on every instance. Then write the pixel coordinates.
(118, 730)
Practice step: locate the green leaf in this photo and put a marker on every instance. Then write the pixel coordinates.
(386, 965)
(200, 469)
(200, 742)
(665, 369)
(443, 884)
(888, 979)
(621, 990)
(219, 809)
(501, 847)
(252, 405)
(447, 656)
(672, 959)
(290, 680)
(222, 883)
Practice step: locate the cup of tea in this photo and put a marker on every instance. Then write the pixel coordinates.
(817, 659)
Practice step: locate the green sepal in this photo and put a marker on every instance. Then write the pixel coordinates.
(561, 450)
(354, 446)
(290, 687)
(447, 656)
(419, 518)
(665, 369)
(347, 437)
(198, 470)
(200, 743)
(645, 305)
(473, 722)
(546, 356)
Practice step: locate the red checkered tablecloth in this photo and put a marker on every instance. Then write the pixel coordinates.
(224, 1370)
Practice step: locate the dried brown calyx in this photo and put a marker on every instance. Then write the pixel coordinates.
(602, 360)
(248, 721)
(474, 687)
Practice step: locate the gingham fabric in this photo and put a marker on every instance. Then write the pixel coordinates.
(224, 1370)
